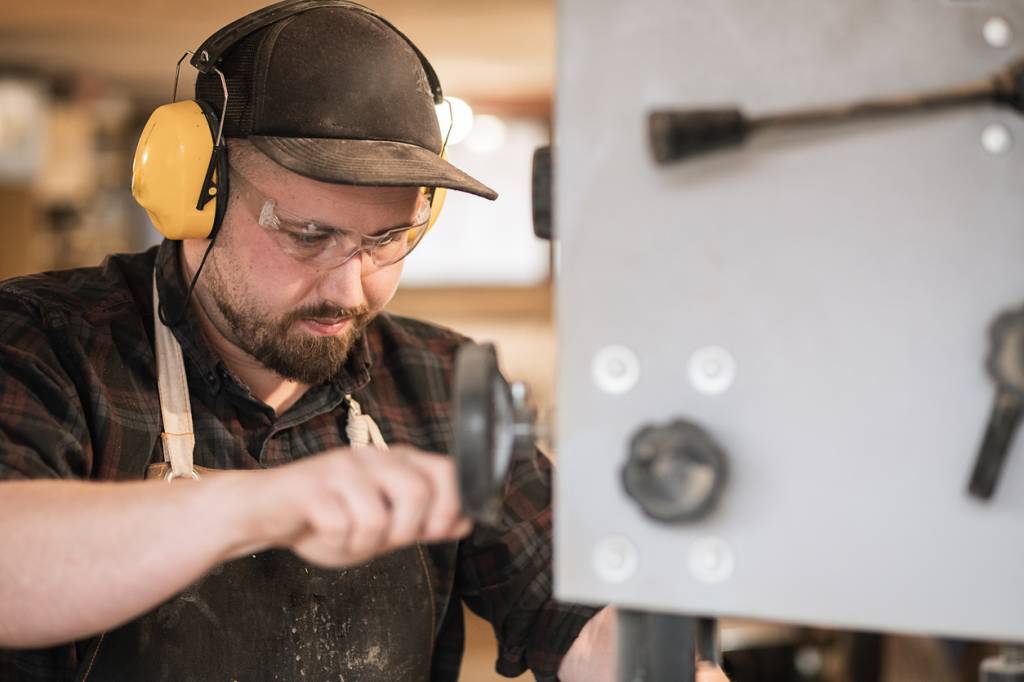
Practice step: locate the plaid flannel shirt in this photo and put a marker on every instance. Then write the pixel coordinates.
(78, 400)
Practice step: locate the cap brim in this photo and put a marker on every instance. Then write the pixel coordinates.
(368, 162)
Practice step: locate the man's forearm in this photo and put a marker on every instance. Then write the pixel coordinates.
(79, 558)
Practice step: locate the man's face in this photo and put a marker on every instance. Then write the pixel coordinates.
(296, 318)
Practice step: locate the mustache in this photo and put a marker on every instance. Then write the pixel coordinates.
(325, 311)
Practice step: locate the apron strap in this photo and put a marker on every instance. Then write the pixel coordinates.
(178, 438)
(361, 429)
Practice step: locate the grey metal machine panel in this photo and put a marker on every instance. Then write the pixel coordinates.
(852, 275)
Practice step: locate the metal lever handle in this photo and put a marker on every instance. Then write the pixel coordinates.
(1002, 425)
(1005, 364)
(681, 133)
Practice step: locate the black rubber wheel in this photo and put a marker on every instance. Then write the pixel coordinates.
(481, 428)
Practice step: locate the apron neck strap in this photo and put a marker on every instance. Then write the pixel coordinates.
(178, 438)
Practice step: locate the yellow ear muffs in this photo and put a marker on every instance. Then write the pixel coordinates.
(177, 171)
(436, 203)
(437, 196)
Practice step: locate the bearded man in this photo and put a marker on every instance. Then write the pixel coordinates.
(215, 456)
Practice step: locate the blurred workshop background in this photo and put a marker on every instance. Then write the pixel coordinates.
(78, 79)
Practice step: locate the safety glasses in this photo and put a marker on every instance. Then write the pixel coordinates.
(323, 246)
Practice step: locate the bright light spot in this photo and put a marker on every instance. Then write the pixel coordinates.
(456, 116)
(489, 134)
(18, 108)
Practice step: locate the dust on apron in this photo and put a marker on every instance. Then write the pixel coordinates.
(271, 616)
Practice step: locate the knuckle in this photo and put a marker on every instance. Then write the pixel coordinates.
(416, 490)
(376, 523)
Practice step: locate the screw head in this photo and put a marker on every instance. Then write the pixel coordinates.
(615, 559)
(996, 139)
(615, 369)
(711, 560)
(712, 370)
(997, 32)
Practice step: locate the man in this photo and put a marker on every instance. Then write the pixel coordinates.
(294, 556)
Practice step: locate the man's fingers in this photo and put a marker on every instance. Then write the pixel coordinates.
(408, 494)
(369, 515)
(445, 518)
(361, 503)
(326, 534)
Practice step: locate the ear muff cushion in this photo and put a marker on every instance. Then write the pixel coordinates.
(221, 175)
(170, 166)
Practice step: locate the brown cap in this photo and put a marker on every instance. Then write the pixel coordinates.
(336, 94)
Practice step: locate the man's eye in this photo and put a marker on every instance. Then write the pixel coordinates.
(309, 236)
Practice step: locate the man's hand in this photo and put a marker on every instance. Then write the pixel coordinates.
(113, 563)
(594, 655)
(346, 506)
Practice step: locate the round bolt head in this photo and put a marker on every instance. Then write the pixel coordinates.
(615, 559)
(997, 32)
(711, 560)
(615, 369)
(712, 370)
(996, 139)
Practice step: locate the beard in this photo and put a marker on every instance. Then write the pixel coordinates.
(277, 343)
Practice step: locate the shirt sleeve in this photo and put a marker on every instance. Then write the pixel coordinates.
(43, 432)
(504, 575)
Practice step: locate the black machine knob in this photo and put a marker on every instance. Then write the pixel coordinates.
(542, 193)
(1006, 367)
(681, 134)
(676, 472)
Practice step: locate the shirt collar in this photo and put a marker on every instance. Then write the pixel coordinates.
(170, 279)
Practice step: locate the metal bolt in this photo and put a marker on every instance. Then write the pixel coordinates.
(615, 559)
(520, 393)
(808, 661)
(996, 139)
(711, 560)
(615, 369)
(712, 370)
(997, 32)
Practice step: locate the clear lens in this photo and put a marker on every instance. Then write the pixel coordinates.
(325, 246)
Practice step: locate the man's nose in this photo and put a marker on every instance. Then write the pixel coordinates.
(343, 284)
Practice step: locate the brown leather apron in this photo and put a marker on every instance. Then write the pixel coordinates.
(270, 616)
